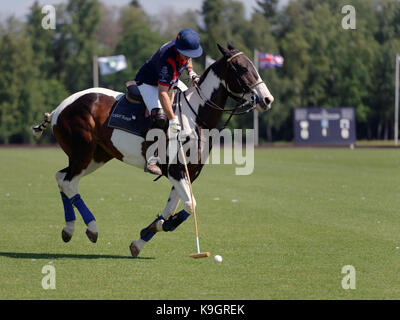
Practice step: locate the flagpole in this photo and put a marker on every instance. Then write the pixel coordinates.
(396, 107)
(95, 72)
(255, 112)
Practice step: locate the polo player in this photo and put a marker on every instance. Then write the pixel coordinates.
(157, 77)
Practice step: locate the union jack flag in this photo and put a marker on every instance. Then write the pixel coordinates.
(268, 60)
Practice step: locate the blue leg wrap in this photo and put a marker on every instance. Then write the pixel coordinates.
(68, 208)
(87, 216)
(145, 234)
(174, 221)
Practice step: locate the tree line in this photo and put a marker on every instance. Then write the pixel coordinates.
(325, 64)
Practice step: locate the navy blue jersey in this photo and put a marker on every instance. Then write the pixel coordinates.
(163, 68)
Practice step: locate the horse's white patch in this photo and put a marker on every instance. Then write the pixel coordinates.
(60, 178)
(130, 146)
(92, 166)
(263, 92)
(210, 84)
(70, 188)
(183, 189)
(172, 204)
(66, 102)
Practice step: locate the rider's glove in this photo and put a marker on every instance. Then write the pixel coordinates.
(194, 77)
(174, 126)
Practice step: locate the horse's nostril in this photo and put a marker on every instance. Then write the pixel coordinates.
(267, 101)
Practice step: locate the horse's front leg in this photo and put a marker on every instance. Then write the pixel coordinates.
(147, 233)
(168, 221)
(182, 188)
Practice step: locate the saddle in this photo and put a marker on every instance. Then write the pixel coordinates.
(129, 113)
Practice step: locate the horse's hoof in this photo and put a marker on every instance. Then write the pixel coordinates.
(134, 249)
(92, 235)
(66, 236)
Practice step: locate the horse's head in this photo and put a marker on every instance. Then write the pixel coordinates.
(242, 78)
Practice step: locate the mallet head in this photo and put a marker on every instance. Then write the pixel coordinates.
(199, 255)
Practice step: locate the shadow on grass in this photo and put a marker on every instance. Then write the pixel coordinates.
(28, 255)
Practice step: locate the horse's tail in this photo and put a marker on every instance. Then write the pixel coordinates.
(38, 129)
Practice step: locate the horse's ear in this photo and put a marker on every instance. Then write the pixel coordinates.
(224, 51)
(231, 47)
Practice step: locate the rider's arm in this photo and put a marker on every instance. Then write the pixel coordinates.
(165, 101)
(192, 75)
(165, 77)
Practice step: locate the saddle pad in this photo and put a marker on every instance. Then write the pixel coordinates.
(129, 117)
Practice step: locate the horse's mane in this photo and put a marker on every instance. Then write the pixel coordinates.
(210, 67)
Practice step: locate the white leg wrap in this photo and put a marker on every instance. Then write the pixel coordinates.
(92, 226)
(140, 244)
(60, 177)
(70, 227)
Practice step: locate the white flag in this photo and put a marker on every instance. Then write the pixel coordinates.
(209, 61)
(111, 64)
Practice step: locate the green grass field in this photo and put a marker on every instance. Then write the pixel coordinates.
(297, 220)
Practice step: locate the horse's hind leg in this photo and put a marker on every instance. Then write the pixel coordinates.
(69, 213)
(80, 164)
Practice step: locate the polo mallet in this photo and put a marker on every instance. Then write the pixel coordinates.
(198, 254)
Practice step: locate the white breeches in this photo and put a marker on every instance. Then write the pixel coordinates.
(150, 94)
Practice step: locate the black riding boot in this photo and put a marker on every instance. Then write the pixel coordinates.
(159, 120)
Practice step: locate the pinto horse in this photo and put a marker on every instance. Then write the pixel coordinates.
(79, 124)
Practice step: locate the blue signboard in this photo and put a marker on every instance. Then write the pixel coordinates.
(318, 126)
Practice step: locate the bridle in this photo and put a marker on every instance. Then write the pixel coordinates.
(242, 103)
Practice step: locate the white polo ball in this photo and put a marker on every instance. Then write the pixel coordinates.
(217, 258)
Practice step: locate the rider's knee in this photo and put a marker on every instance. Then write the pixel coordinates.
(158, 119)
